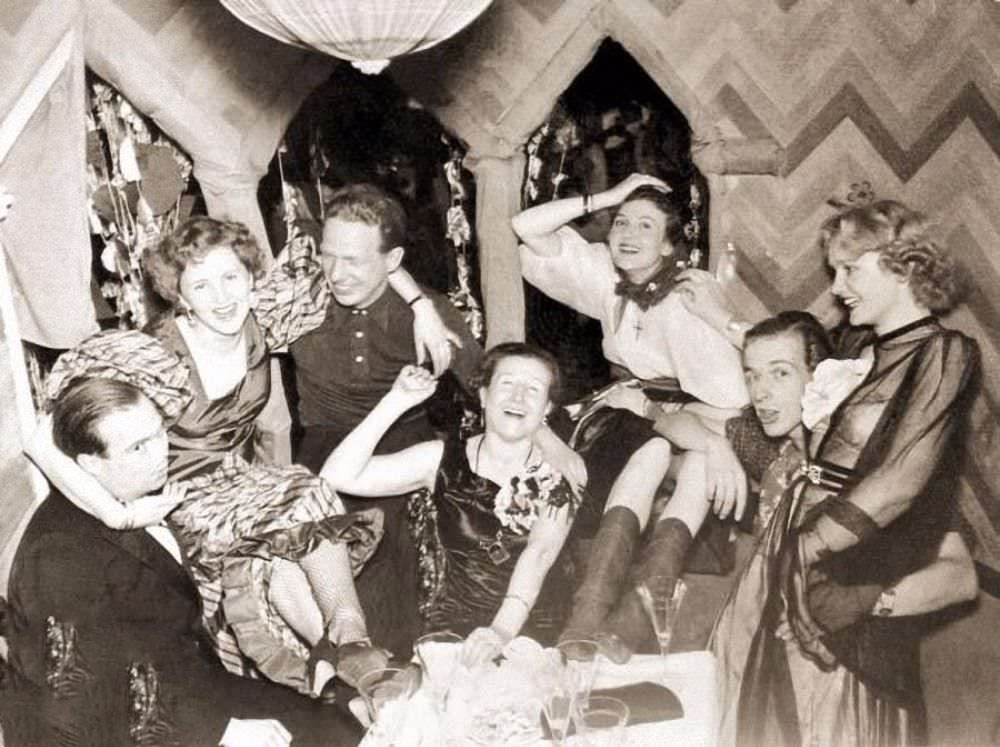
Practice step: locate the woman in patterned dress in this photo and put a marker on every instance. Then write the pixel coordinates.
(499, 514)
(254, 537)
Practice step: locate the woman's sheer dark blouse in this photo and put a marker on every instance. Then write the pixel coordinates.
(895, 431)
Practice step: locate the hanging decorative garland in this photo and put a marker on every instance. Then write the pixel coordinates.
(459, 233)
(136, 179)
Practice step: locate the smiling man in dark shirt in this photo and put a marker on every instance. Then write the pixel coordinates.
(345, 366)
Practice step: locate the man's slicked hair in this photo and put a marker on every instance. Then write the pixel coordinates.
(81, 406)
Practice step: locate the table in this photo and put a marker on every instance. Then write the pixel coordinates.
(691, 675)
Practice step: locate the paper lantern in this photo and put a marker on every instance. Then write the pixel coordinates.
(369, 33)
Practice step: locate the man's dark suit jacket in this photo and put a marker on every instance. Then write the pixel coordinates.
(131, 602)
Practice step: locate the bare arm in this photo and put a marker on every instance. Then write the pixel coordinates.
(949, 579)
(537, 225)
(562, 458)
(353, 468)
(544, 543)
(431, 336)
(705, 297)
(725, 479)
(688, 431)
(86, 493)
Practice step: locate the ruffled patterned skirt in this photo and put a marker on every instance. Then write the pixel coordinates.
(234, 522)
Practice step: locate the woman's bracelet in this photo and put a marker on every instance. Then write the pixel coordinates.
(130, 518)
(418, 297)
(517, 598)
(588, 203)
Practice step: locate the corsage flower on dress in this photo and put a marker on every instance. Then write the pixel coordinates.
(517, 504)
(832, 381)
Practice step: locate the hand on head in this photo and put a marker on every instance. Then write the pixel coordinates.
(633, 181)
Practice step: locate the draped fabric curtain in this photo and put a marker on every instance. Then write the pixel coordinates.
(367, 32)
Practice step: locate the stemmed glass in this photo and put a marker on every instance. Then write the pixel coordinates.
(558, 707)
(579, 657)
(661, 597)
(438, 654)
(573, 665)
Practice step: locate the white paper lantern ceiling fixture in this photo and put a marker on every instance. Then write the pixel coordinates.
(369, 33)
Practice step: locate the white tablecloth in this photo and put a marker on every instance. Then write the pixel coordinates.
(690, 675)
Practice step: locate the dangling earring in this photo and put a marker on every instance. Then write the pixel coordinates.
(188, 313)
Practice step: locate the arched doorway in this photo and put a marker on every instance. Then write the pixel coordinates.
(612, 120)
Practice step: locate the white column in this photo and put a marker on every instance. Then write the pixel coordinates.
(498, 199)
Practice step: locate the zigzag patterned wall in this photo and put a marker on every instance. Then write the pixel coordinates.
(905, 95)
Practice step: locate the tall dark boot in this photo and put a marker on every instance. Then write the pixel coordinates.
(625, 629)
(608, 565)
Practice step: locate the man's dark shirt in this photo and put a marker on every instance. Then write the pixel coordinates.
(347, 364)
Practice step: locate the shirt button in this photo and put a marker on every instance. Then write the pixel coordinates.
(359, 333)
(358, 358)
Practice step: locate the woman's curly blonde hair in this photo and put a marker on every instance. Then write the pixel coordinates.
(901, 237)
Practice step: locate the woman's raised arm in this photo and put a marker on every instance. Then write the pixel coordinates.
(353, 468)
(537, 225)
(86, 493)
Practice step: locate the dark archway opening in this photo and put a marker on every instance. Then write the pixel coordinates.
(611, 121)
(365, 128)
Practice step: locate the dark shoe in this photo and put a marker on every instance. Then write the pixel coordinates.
(607, 568)
(326, 651)
(628, 627)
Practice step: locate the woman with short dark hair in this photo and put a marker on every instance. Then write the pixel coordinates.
(498, 514)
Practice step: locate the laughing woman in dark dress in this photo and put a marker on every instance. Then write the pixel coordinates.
(500, 513)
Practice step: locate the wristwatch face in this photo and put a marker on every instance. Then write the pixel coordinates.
(886, 602)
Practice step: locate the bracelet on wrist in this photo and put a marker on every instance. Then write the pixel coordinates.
(130, 519)
(737, 326)
(588, 203)
(418, 297)
(503, 636)
(520, 599)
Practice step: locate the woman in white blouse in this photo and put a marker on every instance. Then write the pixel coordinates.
(662, 356)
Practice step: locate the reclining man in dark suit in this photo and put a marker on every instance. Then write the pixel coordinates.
(108, 622)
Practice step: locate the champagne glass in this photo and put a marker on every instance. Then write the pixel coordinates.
(603, 720)
(439, 654)
(560, 694)
(661, 597)
(579, 657)
(558, 708)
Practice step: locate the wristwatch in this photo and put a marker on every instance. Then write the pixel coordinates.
(737, 327)
(885, 603)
